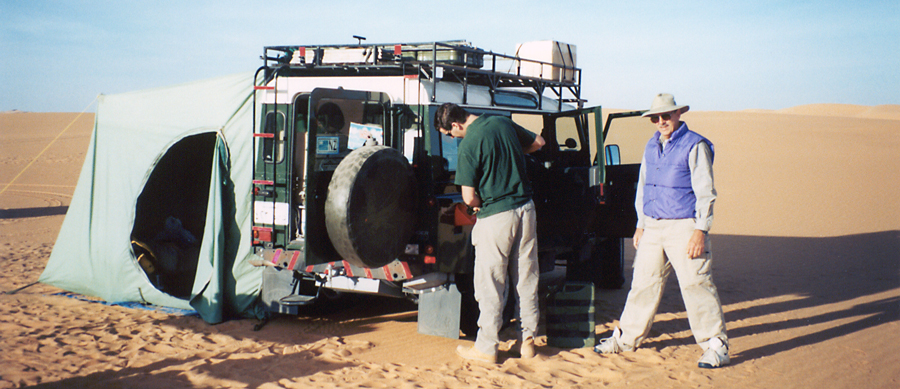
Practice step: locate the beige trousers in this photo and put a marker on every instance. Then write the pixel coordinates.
(506, 255)
(661, 249)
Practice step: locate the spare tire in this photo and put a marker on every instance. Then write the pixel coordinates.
(370, 211)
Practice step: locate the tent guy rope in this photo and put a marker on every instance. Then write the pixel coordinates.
(48, 146)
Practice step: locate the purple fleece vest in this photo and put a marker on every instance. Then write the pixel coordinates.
(667, 190)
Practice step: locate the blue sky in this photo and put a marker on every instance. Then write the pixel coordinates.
(714, 55)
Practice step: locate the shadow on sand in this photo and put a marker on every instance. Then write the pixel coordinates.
(808, 272)
(22, 213)
(750, 272)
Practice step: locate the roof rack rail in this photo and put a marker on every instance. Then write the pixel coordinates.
(441, 61)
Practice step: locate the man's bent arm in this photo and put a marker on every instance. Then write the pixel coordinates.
(700, 163)
(470, 197)
(536, 145)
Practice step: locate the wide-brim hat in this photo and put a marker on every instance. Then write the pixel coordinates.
(663, 103)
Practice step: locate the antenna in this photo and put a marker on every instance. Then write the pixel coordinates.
(359, 39)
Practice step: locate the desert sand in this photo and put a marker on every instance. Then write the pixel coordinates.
(806, 241)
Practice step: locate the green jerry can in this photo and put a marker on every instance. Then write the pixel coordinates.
(570, 316)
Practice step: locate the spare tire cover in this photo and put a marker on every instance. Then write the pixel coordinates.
(370, 211)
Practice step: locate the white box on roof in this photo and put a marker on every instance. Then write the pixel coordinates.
(562, 55)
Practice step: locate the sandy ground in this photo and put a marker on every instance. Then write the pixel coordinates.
(807, 261)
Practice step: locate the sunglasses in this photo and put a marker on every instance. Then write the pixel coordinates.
(655, 118)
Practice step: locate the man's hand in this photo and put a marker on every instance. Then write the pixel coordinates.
(638, 233)
(696, 245)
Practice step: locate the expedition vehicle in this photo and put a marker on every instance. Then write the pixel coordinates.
(353, 186)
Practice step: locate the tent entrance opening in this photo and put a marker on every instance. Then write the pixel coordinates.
(171, 214)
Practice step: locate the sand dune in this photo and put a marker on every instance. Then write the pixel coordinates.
(889, 112)
(806, 241)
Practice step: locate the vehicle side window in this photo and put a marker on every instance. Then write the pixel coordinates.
(450, 146)
(273, 148)
(531, 122)
(567, 133)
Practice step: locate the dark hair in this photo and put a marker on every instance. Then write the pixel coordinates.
(447, 114)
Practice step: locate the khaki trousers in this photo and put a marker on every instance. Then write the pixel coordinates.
(506, 254)
(661, 249)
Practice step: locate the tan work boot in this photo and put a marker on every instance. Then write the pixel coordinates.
(527, 349)
(472, 354)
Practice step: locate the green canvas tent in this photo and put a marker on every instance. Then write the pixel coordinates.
(161, 212)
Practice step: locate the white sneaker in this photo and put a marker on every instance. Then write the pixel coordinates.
(612, 345)
(716, 355)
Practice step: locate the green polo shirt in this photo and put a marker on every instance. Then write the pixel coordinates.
(491, 160)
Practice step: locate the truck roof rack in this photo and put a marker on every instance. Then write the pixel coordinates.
(444, 61)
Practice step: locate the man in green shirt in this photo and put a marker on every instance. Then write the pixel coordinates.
(491, 173)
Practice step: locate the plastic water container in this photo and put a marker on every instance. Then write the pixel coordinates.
(570, 316)
(562, 55)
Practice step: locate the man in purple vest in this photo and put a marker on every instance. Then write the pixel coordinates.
(674, 203)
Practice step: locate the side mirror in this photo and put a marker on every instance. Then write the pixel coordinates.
(612, 155)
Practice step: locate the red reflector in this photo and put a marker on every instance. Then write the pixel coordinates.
(263, 182)
(264, 234)
(263, 87)
(429, 259)
(294, 256)
(302, 51)
(411, 76)
(264, 135)
(602, 194)
(276, 256)
(347, 269)
(397, 50)
(406, 271)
